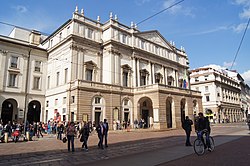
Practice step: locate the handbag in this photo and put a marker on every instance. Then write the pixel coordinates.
(81, 139)
(64, 140)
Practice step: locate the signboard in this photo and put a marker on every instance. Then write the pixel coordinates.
(20, 114)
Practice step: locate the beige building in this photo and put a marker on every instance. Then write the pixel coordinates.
(22, 75)
(109, 70)
(221, 94)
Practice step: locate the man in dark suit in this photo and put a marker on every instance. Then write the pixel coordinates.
(187, 126)
(105, 134)
(100, 132)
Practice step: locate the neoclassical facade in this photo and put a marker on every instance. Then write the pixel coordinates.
(221, 94)
(109, 70)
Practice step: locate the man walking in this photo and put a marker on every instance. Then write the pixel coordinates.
(100, 131)
(187, 126)
(105, 133)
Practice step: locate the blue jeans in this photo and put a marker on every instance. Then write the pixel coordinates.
(207, 134)
(71, 140)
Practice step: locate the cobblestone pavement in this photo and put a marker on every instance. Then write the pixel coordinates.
(50, 151)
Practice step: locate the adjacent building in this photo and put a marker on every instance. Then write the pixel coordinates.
(22, 76)
(223, 96)
(109, 70)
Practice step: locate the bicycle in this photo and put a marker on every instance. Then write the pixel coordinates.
(199, 147)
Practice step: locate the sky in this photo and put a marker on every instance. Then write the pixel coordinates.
(209, 30)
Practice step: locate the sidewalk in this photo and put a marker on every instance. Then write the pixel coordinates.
(137, 148)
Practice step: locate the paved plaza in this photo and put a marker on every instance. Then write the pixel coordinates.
(137, 147)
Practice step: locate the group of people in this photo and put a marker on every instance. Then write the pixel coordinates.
(101, 129)
(202, 126)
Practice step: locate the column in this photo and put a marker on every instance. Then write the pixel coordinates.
(80, 64)
(150, 73)
(138, 72)
(153, 73)
(134, 72)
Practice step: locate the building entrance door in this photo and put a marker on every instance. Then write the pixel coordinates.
(145, 117)
(97, 118)
(7, 112)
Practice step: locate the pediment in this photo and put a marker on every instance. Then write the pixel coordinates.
(155, 37)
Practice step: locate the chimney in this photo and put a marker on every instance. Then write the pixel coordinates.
(35, 37)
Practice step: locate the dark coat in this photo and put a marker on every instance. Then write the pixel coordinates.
(203, 123)
(187, 125)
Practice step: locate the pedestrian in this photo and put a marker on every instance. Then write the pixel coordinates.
(60, 129)
(187, 126)
(100, 131)
(71, 132)
(39, 129)
(105, 133)
(84, 134)
(248, 123)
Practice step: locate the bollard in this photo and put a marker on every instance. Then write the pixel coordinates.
(27, 136)
(6, 137)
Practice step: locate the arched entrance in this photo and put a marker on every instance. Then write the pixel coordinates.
(146, 112)
(9, 111)
(127, 111)
(169, 113)
(34, 112)
(183, 104)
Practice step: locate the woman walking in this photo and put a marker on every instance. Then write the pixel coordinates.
(84, 134)
(71, 132)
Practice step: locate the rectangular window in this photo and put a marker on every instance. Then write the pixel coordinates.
(90, 33)
(13, 62)
(57, 78)
(68, 30)
(65, 75)
(56, 102)
(38, 66)
(206, 88)
(73, 99)
(197, 88)
(48, 82)
(13, 80)
(218, 94)
(60, 36)
(51, 43)
(207, 98)
(124, 38)
(196, 79)
(206, 77)
(125, 79)
(143, 80)
(142, 44)
(64, 100)
(64, 110)
(36, 84)
(47, 103)
(97, 100)
(89, 74)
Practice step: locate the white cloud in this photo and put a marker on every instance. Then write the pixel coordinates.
(141, 2)
(246, 8)
(20, 9)
(228, 64)
(214, 66)
(177, 9)
(239, 28)
(246, 77)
